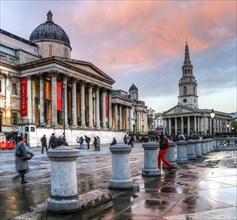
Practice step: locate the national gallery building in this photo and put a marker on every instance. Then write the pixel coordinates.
(186, 117)
(41, 85)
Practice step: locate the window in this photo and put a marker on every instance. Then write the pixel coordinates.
(65, 53)
(194, 90)
(185, 90)
(14, 118)
(50, 50)
(14, 89)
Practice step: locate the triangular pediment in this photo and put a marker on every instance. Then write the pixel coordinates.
(178, 109)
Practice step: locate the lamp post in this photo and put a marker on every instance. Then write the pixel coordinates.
(227, 128)
(64, 116)
(212, 114)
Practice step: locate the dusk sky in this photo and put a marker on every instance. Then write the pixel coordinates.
(142, 42)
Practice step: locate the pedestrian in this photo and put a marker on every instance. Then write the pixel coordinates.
(22, 155)
(53, 141)
(87, 139)
(95, 144)
(81, 140)
(114, 141)
(131, 140)
(44, 144)
(125, 139)
(98, 143)
(164, 144)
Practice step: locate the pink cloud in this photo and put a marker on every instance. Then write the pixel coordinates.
(135, 32)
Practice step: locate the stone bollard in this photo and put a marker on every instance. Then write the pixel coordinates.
(64, 194)
(171, 155)
(203, 147)
(182, 152)
(211, 145)
(150, 159)
(207, 146)
(191, 150)
(218, 144)
(198, 149)
(120, 167)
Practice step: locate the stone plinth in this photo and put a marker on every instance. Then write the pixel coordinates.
(211, 145)
(64, 194)
(182, 152)
(150, 159)
(191, 149)
(171, 155)
(203, 147)
(198, 149)
(214, 144)
(120, 167)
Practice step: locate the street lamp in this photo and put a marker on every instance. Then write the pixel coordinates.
(212, 114)
(227, 128)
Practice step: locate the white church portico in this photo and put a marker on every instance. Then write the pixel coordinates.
(186, 118)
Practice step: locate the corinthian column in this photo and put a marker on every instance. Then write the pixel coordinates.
(97, 97)
(65, 100)
(74, 103)
(42, 100)
(90, 106)
(83, 122)
(29, 97)
(54, 99)
(103, 109)
(110, 111)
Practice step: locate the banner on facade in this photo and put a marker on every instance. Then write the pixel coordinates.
(59, 96)
(23, 96)
(107, 106)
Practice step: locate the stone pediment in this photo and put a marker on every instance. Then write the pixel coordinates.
(178, 109)
(89, 68)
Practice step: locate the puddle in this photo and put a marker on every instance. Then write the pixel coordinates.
(168, 189)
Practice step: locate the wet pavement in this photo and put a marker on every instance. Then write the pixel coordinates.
(205, 189)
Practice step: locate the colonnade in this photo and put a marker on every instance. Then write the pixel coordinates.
(196, 124)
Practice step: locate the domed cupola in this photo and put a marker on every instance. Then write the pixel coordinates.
(51, 38)
(133, 92)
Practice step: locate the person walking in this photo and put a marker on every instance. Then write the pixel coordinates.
(22, 155)
(81, 140)
(53, 141)
(44, 144)
(164, 144)
(98, 143)
(87, 139)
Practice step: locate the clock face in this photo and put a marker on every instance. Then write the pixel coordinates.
(184, 100)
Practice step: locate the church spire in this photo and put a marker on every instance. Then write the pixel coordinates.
(186, 55)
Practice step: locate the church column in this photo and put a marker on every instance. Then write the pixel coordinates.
(195, 125)
(120, 117)
(127, 118)
(42, 100)
(29, 100)
(90, 106)
(8, 98)
(110, 110)
(170, 130)
(175, 126)
(54, 120)
(65, 101)
(97, 98)
(188, 118)
(138, 120)
(74, 103)
(83, 118)
(182, 125)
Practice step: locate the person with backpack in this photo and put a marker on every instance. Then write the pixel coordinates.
(87, 139)
(53, 141)
(164, 144)
(44, 144)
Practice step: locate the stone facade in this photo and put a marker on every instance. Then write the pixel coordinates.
(87, 97)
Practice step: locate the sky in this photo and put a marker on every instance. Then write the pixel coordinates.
(143, 42)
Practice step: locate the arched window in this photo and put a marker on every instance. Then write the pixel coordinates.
(194, 90)
(185, 90)
(65, 53)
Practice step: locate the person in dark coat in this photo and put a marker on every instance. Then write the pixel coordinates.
(53, 141)
(22, 155)
(113, 142)
(44, 144)
(87, 139)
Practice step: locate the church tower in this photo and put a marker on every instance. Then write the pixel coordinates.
(187, 84)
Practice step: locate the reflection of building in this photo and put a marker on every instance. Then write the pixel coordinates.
(41, 84)
(186, 117)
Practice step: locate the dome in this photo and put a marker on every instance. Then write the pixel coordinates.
(49, 31)
(133, 88)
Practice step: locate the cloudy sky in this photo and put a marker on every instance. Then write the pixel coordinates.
(142, 42)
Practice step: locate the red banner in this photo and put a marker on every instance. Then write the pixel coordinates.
(59, 96)
(23, 96)
(107, 106)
